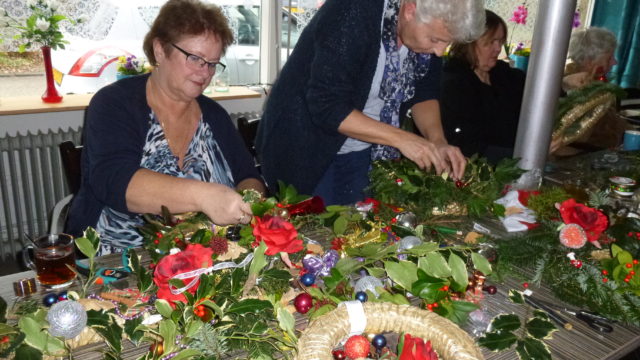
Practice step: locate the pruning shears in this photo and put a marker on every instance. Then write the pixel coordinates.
(594, 320)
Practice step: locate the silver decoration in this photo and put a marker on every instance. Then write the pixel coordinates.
(407, 219)
(67, 318)
(368, 283)
(409, 242)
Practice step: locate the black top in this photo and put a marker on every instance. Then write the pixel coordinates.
(481, 118)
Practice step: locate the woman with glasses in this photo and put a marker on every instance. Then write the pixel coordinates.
(154, 140)
(358, 66)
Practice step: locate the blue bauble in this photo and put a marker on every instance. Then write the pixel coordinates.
(361, 296)
(307, 279)
(50, 299)
(379, 341)
(62, 296)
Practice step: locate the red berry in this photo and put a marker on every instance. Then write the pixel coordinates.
(445, 288)
(605, 272)
(629, 233)
(629, 265)
(459, 184)
(525, 285)
(159, 235)
(339, 354)
(357, 346)
(632, 272)
(635, 261)
(627, 279)
(435, 305)
(430, 307)
(303, 303)
(5, 339)
(394, 220)
(156, 241)
(605, 280)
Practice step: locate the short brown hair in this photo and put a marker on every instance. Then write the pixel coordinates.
(466, 51)
(179, 18)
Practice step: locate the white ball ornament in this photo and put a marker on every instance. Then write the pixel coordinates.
(368, 282)
(67, 319)
(409, 242)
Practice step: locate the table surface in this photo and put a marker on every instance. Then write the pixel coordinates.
(580, 343)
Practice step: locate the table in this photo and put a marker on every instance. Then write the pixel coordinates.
(581, 343)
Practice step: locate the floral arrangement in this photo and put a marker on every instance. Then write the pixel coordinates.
(42, 27)
(519, 17)
(131, 65)
(521, 50)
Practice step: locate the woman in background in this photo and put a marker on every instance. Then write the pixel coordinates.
(155, 140)
(481, 95)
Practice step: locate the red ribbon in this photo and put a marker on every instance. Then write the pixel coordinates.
(314, 205)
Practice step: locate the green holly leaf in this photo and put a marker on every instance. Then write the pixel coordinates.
(435, 264)
(163, 308)
(539, 328)
(532, 349)
(516, 297)
(459, 272)
(26, 352)
(481, 263)
(130, 329)
(259, 260)
(497, 341)
(505, 322)
(404, 273)
(186, 354)
(167, 329)
(286, 321)
(249, 306)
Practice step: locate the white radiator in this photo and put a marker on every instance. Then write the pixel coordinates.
(32, 180)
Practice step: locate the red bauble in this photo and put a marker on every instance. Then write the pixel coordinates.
(303, 303)
(338, 355)
(357, 346)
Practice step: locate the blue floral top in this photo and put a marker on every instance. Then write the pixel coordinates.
(203, 161)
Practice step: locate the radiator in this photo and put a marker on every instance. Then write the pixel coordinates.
(32, 180)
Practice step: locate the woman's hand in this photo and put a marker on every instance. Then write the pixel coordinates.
(225, 206)
(422, 152)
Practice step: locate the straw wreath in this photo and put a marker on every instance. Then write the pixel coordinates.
(447, 339)
(582, 117)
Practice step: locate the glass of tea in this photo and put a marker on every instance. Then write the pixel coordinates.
(53, 258)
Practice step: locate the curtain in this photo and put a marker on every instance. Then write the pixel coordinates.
(623, 18)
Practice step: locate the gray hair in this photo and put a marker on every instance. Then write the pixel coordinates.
(590, 44)
(464, 19)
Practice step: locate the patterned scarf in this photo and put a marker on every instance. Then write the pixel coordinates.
(398, 80)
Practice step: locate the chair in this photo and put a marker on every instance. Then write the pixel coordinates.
(71, 162)
(248, 129)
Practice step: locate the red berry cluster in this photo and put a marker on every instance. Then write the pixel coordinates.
(219, 245)
(390, 233)
(634, 234)
(576, 263)
(430, 307)
(200, 311)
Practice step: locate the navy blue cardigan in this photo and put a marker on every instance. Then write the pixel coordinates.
(328, 75)
(114, 135)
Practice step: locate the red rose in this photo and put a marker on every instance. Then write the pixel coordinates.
(593, 221)
(194, 257)
(278, 234)
(415, 349)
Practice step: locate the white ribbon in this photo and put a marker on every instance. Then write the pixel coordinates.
(357, 317)
(194, 275)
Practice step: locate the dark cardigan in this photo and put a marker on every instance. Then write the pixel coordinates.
(327, 76)
(114, 136)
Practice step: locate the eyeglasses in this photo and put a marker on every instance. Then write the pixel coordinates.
(196, 62)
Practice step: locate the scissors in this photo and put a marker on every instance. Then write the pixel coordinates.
(594, 320)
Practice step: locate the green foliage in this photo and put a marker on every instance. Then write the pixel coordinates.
(402, 183)
(544, 203)
(507, 330)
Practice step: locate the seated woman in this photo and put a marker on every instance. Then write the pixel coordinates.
(593, 124)
(155, 140)
(481, 96)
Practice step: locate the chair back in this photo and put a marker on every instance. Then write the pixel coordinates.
(71, 160)
(248, 129)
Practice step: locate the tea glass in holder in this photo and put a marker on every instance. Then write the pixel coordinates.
(53, 260)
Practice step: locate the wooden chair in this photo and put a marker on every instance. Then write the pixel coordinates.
(71, 162)
(248, 129)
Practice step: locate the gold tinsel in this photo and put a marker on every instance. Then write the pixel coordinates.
(451, 209)
(587, 114)
(360, 237)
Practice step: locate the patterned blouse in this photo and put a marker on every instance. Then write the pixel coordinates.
(203, 161)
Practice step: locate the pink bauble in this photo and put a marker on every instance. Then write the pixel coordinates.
(573, 236)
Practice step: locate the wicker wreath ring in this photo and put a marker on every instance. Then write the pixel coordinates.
(447, 339)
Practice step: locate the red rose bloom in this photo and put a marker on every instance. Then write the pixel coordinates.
(593, 221)
(278, 234)
(416, 349)
(194, 257)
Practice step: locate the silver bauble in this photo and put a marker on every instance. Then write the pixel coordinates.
(407, 219)
(67, 318)
(409, 242)
(368, 283)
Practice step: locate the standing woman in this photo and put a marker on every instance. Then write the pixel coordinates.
(481, 96)
(155, 140)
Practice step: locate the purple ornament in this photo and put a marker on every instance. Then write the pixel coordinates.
(321, 266)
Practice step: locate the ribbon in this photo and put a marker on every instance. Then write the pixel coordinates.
(194, 275)
(314, 205)
(317, 265)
